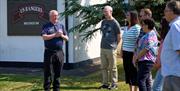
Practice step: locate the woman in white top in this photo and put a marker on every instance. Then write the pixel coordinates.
(130, 36)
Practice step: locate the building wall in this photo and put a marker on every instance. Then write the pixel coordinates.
(90, 49)
(30, 48)
(20, 48)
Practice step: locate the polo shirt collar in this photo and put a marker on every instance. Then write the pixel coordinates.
(177, 18)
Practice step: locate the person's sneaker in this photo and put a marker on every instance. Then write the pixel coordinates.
(113, 86)
(104, 87)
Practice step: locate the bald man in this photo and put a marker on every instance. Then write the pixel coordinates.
(53, 34)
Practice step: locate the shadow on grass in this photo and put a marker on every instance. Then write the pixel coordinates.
(37, 90)
(77, 88)
(94, 77)
(70, 88)
(69, 83)
(19, 78)
(121, 74)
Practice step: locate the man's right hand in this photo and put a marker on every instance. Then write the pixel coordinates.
(58, 34)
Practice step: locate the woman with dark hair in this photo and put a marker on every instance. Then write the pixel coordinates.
(158, 82)
(128, 46)
(146, 54)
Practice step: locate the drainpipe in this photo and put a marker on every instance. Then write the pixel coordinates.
(66, 65)
(126, 3)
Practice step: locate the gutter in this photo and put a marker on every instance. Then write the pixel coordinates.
(66, 64)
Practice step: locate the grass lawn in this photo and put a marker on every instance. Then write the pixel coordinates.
(14, 82)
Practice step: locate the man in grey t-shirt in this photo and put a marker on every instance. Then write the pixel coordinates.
(110, 29)
(110, 33)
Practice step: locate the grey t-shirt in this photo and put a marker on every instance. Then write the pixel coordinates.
(110, 29)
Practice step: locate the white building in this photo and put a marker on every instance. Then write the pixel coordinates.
(27, 51)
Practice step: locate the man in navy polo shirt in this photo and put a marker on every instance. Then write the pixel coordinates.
(53, 34)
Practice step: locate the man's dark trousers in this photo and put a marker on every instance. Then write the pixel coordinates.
(53, 65)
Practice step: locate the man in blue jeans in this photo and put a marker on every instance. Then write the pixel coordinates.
(170, 55)
(53, 34)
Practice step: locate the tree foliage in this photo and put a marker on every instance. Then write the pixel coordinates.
(92, 14)
(157, 7)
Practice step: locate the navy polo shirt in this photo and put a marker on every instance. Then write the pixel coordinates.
(55, 43)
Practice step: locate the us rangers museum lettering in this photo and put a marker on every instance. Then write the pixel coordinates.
(31, 8)
(26, 17)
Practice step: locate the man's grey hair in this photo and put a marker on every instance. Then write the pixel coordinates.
(174, 5)
(109, 8)
(52, 11)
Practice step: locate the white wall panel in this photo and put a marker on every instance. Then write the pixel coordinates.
(20, 48)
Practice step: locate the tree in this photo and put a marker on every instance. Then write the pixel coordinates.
(92, 15)
(157, 7)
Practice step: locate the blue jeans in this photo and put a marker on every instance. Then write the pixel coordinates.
(158, 81)
(144, 72)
